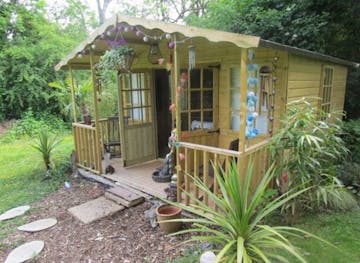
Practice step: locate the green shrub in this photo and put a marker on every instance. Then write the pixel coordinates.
(31, 125)
(46, 144)
(237, 229)
(352, 138)
(349, 175)
(306, 151)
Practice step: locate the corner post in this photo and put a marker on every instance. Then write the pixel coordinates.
(96, 113)
(243, 94)
(72, 93)
(177, 116)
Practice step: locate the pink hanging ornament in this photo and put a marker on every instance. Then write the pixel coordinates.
(172, 107)
(181, 156)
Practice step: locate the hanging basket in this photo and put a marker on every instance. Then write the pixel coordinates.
(120, 58)
(125, 62)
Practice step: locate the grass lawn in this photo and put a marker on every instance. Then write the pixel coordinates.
(340, 229)
(22, 175)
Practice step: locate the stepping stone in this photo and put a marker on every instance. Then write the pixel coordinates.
(17, 211)
(38, 225)
(25, 252)
(95, 209)
(123, 196)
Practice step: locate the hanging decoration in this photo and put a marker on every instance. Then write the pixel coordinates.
(191, 57)
(155, 56)
(251, 99)
(271, 95)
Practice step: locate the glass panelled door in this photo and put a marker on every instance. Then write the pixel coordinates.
(137, 118)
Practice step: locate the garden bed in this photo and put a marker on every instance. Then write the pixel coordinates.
(124, 237)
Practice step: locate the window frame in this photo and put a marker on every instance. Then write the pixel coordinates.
(186, 100)
(326, 88)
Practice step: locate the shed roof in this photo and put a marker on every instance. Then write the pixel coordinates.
(240, 40)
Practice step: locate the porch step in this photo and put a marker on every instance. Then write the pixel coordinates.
(133, 188)
(123, 196)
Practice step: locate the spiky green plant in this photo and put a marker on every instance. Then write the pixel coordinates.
(237, 229)
(306, 150)
(46, 144)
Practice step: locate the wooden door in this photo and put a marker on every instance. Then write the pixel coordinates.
(136, 118)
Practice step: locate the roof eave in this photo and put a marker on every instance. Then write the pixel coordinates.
(307, 53)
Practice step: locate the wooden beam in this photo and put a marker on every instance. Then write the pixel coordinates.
(120, 82)
(72, 93)
(243, 94)
(96, 114)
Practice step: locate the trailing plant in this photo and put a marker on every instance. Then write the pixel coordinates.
(306, 150)
(117, 58)
(46, 144)
(237, 228)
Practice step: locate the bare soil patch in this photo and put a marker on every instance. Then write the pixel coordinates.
(124, 237)
(5, 126)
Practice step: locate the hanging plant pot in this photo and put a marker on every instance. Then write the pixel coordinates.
(119, 58)
(125, 63)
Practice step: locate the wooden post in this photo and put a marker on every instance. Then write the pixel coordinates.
(96, 113)
(176, 71)
(243, 94)
(72, 93)
(120, 82)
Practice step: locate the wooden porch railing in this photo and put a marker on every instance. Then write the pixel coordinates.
(198, 163)
(87, 155)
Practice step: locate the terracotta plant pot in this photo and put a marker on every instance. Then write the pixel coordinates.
(167, 212)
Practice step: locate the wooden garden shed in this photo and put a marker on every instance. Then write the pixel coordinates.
(222, 93)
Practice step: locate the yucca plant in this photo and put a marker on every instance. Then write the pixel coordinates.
(45, 144)
(237, 229)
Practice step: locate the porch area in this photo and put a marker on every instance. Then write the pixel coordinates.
(226, 95)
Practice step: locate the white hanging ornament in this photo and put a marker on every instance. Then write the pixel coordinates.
(191, 57)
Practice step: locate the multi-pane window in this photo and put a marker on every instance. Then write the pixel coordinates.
(326, 89)
(136, 98)
(235, 98)
(197, 100)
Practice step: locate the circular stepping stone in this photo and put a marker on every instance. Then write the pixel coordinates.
(38, 225)
(25, 252)
(17, 211)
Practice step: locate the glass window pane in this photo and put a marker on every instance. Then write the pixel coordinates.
(208, 120)
(195, 121)
(208, 99)
(183, 100)
(235, 77)
(195, 76)
(184, 121)
(235, 121)
(235, 99)
(195, 100)
(208, 80)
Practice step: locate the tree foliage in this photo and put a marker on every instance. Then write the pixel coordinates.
(30, 46)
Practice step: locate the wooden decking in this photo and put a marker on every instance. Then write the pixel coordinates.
(138, 177)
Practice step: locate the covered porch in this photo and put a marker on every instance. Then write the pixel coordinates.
(197, 85)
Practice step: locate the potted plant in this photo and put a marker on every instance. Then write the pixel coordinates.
(119, 58)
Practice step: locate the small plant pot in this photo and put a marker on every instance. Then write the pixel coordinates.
(167, 212)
